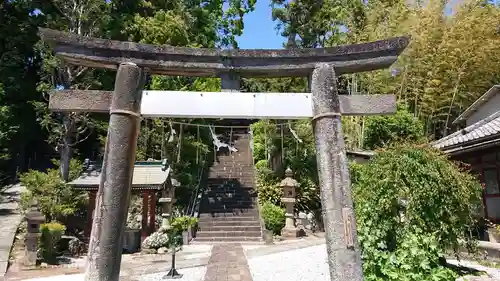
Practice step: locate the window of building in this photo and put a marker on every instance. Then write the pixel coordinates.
(490, 178)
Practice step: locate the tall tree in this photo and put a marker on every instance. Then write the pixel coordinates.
(451, 61)
(19, 65)
(68, 129)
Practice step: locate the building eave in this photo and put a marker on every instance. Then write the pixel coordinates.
(493, 91)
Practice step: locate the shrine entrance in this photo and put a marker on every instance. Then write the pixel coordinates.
(128, 103)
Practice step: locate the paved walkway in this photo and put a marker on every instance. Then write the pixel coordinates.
(228, 263)
(289, 261)
(9, 221)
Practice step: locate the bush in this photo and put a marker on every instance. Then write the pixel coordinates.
(155, 241)
(384, 130)
(412, 204)
(56, 200)
(181, 224)
(76, 247)
(274, 217)
(51, 233)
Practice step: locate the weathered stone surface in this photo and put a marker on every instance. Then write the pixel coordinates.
(344, 256)
(103, 53)
(108, 227)
(290, 233)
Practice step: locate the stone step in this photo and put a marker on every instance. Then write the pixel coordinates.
(237, 173)
(237, 228)
(229, 180)
(240, 158)
(227, 186)
(234, 219)
(227, 208)
(230, 172)
(238, 164)
(225, 198)
(244, 184)
(227, 239)
(222, 198)
(215, 199)
(225, 216)
(213, 234)
(251, 211)
(228, 223)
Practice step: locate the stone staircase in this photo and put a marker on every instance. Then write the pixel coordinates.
(228, 210)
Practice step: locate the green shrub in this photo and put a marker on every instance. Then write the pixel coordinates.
(51, 233)
(412, 204)
(56, 199)
(181, 224)
(273, 216)
(384, 130)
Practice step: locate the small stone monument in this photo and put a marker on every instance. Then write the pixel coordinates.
(167, 200)
(289, 185)
(34, 218)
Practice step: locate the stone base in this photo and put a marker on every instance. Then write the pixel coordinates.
(290, 233)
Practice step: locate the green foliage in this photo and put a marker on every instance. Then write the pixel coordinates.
(183, 223)
(412, 204)
(56, 199)
(402, 126)
(51, 234)
(451, 61)
(299, 156)
(273, 216)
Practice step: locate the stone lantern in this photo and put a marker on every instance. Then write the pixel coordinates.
(167, 200)
(34, 218)
(289, 186)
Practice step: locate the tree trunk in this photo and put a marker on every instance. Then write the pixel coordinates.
(65, 150)
(65, 154)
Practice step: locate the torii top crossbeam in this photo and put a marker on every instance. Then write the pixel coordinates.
(167, 60)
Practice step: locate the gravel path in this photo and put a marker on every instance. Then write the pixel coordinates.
(188, 274)
(296, 265)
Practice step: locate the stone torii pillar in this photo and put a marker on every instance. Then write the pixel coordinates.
(344, 255)
(106, 239)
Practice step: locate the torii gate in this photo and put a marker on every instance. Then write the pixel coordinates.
(128, 103)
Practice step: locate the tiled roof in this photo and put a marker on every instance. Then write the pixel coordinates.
(483, 129)
(146, 175)
(493, 91)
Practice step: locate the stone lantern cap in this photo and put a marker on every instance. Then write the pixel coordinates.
(288, 180)
(34, 214)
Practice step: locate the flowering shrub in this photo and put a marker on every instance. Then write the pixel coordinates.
(155, 241)
(76, 247)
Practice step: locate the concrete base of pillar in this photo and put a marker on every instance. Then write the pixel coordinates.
(290, 233)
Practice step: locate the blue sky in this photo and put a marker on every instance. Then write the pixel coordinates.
(260, 31)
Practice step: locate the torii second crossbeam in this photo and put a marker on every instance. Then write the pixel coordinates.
(178, 104)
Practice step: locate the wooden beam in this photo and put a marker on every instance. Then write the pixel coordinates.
(176, 104)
